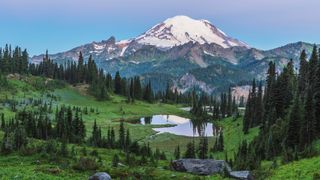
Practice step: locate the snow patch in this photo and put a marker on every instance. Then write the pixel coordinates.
(123, 50)
(207, 53)
(99, 47)
(135, 62)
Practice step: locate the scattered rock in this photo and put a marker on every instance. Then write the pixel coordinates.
(100, 176)
(209, 167)
(244, 175)
(54, 170)
(201, 166)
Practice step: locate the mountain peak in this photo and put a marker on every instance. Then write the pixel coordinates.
(182, 29)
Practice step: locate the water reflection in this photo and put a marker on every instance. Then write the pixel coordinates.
(183, 126)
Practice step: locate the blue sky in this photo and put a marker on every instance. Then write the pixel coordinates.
(59, 25)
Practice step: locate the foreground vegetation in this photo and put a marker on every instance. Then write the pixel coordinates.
(94, 131)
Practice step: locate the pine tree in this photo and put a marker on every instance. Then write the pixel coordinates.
(308, 131)
(148, 94)
(137, 88)
(294, 124)
(115, 160)
(127, 140)
(221, 141)
(316, 100)
(112, 138)
(203, 148)
(190, 153)
(303, 73)
(122, 136)
(177, 152)
(64, 149)
(20, 138)
(269, 103)
(229, 103)
(96, 135)
(117, 83)
(259, 106)
(313, 64)
(3, 122)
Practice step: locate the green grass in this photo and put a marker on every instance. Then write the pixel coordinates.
(233, 136)
(35, 166)
(16, 166)
(111, 111)
(307, 168)
(302, 169)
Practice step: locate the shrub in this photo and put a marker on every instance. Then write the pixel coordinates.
(85, 164)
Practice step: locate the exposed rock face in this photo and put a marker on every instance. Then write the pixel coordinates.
(209, 167)
(100, 176)
(201, 166)
(245, 175)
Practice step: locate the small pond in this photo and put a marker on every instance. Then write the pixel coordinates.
(180, 126)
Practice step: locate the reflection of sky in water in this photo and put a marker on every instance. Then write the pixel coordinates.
(184, 126)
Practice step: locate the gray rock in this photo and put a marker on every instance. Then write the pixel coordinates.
(201, 166)
(244, 175)
(100, 176)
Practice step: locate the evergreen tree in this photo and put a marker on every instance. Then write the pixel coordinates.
(122, 136)
(127, 140)
(3, 122)
(190, 153)
(96, 135)
(117, 83)
(303, 73)
(294, 124)
(115, 160)
(221, 141)
(177, 152)
(137, 88)
(64, 149)
(316, 100)
(259, 106)
(308, 131)
(229, 103)
(203, 148)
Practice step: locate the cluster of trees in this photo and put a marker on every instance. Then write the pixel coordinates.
(202, 151)
(173, 96)
(254, 108)
(69, 127)
(290, 113)
(101, 83)
(13, 60)
(219, 143)
(125, 144)
(226, 106)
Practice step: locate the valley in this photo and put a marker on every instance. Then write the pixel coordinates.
(166, 96)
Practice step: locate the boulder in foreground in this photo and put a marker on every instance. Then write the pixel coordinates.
(100, 176)
(201, 166)
(243, 175)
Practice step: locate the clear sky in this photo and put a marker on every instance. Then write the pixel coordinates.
(59, 25)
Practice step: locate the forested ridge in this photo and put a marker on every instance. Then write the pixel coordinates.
(287, 112)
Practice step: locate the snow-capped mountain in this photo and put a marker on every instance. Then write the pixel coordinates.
(180, 30)
(100, 51)
(188, 53)
(171, 33)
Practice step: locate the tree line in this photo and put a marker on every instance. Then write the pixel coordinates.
(288, 114)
